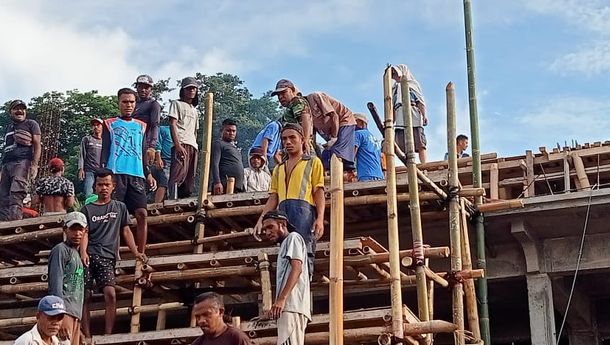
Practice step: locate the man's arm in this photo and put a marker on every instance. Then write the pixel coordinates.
(216, 153)
(36, 149)
(82, 153)
(131, 243)
(265, 146)
(105, 156)
(320, 201)
(56, 272)
(296, 268)
(153, 126)
(270, 205)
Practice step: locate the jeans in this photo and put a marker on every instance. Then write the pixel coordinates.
(88, 183)
(302, 215)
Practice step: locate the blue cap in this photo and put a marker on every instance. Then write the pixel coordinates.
(52, 305)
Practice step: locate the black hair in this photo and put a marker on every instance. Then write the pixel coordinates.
(210, 296)
(229, 122)
(103, 172)
(461, 137)
(195, 101)
(126, 91)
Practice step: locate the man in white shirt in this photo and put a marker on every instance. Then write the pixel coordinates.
(51, 311)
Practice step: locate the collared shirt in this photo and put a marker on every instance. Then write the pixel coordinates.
(307, 175)
(32, 337)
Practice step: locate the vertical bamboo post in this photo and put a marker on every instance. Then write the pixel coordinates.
(204, 171)
(469, 290)
(335, 300)
(430, 294)
(230, 185)
(416, 226)
(454, 216)
(161, 319)
(566, 172)
(263, 265)
(393, 240)
(137, 298)
(529, 168)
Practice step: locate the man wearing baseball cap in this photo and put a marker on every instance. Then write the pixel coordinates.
(297, 110)
(89, 159)
(292, 306)
(55, 192)
(19, 160)
(67, 275)
(51, 311)
(148, 110)
(368, 152)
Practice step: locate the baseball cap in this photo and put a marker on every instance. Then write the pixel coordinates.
(361, 117)
(282, 85)
(294, 126)
(51, 305)
(16, 103)
(75, 218)
(188, 81)
(279, 215)
(97, 120)
(144, 79)
(56, 164)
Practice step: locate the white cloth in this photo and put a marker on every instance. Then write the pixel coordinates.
(404, 72)
(299, 299)
(32, 337)
(187, 122)
(257, 180)
(291, 328)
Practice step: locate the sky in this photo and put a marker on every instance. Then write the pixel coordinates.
(542, 66)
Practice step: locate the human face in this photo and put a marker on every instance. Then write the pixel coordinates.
(48, 326)
(104, 187)
(143, 90)
(127, 103)
(463, 145)
(273, 230)
(209, 317)
(256, 162)
(190, 92)
(74, 234)
(292, 141)
(229, 132)
(360, 124)
(286, 96)
(96, 128)
(18, 113)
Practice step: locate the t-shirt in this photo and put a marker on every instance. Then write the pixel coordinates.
(55, 185)
(321, 106)
(32, 337)
(231, 336)
(67, 278)
(18, 140)
(462, 155)
(226, 161)
(149, 111)
(299, 299)
(307, 175)
(416, 116)
(271, 132)
(125, 146)
(187, 123)
(90, 153)
(368, 157)
(105, 224)
(165, 143)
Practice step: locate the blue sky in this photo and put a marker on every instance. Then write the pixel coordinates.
(543, 66)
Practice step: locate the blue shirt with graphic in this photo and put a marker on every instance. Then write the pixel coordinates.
(272, 133)
(126, 146)
(368, 157)
(165, 143)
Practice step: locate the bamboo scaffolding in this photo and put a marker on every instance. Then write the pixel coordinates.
(392, 211)
(335, 299)
(469, 289)
(263, 264)
(137, 299)
(454, 217)
(414, 207)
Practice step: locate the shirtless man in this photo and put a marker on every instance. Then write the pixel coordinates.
(55, 192)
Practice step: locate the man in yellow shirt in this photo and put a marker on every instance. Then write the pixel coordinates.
(297, 188)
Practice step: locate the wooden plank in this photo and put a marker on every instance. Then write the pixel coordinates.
(529, 163)
(581, 174)
(493, 181)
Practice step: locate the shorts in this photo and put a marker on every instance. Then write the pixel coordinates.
(100, 272)
(418, 136)
(291, 328)
(131, 190)
(162, 175)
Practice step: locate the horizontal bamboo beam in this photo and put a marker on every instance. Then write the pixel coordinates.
(500, 205)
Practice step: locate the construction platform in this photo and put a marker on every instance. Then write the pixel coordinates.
(536, 205)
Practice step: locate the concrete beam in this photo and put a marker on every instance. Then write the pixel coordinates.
(529, 243)
(541, 312)
(561, 254)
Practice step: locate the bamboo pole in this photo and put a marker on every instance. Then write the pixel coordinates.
(137, 298)
(580, 171)
(230, 186)
(335, 300)
(494, 181)
(454, 217)
(263, 264)
(392, 212)
(469, 290)
(501, 205)
(416, 226)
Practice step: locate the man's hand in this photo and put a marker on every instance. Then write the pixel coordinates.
(81, 174)
(150, 155)
(159, 163)
(307, 147)
(85, 259)
(258, 229)
(331, 142)
(33, 171)
(180, 152)
(152, 183)
(218, 189)
(425, 120)
(318, 228)
(276, 309)
(64, 333)
(141, 256)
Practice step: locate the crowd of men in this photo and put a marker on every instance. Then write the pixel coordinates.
(135, 153)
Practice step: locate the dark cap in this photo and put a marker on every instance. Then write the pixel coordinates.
(294, 126)
(52, 305)
(16, 103)
(257, 151)
(282, 85)
(189, 81)
(279, 215)
(144, 79)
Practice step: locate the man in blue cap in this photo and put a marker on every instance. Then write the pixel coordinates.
(51, 311)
